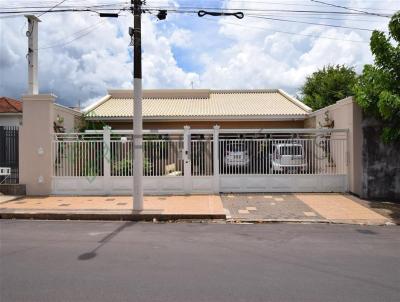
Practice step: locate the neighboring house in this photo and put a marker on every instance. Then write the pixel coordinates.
(201, 108)
(64, 118)
(10, 112)
(69, 119)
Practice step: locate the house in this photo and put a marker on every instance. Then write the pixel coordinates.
(11, 111)
(201, 108)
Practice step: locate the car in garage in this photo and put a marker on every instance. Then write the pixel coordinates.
(236, 155)
(288, 158)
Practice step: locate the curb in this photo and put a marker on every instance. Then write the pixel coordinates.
(110, 217)
(309, 221)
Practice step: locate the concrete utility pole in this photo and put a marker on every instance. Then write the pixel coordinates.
(32, 34)
(135, 33)
(136, 9)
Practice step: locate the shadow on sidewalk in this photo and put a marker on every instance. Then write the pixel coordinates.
(93, 253)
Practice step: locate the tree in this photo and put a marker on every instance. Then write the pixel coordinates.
(378, 88)
(328, 85)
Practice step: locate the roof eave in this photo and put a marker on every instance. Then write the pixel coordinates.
(286, 117)
(295, 101)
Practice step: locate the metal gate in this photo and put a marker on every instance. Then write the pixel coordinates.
(192, 161)
(9, 153)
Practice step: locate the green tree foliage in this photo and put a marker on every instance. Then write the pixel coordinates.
(328, 85)
(378, 88)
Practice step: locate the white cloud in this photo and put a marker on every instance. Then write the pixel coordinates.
(86, 67)
(264, 55)
(224, 52)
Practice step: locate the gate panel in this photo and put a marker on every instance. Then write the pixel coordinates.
(9, 153)
(294, 162)
(202, 165)
(202, 161)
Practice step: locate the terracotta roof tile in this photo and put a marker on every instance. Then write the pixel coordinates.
(8, 105)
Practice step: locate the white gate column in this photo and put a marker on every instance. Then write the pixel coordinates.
(187, 163)
(107, 159)
(216, 158)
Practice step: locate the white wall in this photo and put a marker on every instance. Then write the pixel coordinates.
(346, 114)
(10, 120)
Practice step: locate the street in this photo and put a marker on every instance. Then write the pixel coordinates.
(128, 261)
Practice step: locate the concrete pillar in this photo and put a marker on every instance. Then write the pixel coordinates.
(216, 158)
(35, 143)
(187, 161)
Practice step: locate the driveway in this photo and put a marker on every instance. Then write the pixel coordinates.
(299, 207)
(268, 207)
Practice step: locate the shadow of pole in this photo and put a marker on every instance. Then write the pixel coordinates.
(93, 253)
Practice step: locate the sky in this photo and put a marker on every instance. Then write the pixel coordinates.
(82, 55)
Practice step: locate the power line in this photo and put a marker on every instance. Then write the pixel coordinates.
(351, 9)
(61, 2)
(289, 33)
(192, 9)
(310, 23)
(86, 31)
(264, 10)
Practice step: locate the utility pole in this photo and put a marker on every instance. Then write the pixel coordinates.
(136, 33)
(32, 34)
(136, 8)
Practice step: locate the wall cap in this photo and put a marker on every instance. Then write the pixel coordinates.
(342, 102)
(39, 97)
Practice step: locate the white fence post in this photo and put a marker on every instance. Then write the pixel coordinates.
(107, 159)
(216, 158)
(187, 164)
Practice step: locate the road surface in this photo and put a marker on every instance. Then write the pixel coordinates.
(126, 261)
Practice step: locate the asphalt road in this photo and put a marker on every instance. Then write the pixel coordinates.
(119, 261)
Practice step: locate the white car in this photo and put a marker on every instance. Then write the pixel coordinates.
(288, 158)
(236, 155)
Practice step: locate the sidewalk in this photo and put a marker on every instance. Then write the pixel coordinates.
(114, 207)
(249, 207)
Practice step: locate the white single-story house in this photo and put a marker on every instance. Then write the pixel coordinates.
(201, 108)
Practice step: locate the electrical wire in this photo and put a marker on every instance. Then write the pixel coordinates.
(349, 8)
(86, 31)
(61, 2)
(310, 23)
(286, 32)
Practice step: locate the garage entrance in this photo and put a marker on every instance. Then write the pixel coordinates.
(191, 161)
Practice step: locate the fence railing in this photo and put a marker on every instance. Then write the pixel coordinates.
(322, 156)
(201, 154)
(109, 153)
(78, 158)
(9, 153)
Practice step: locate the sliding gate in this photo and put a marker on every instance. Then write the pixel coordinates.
(191, 161)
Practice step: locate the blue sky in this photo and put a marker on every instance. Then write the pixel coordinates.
(185, 50)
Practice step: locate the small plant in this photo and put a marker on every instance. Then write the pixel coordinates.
(124, 167)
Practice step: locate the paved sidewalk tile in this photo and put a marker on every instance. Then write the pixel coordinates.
(279, 207)
(340, 208)
(168, 205)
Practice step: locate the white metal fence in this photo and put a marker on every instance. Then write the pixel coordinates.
(201, 156)
(317, 156)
